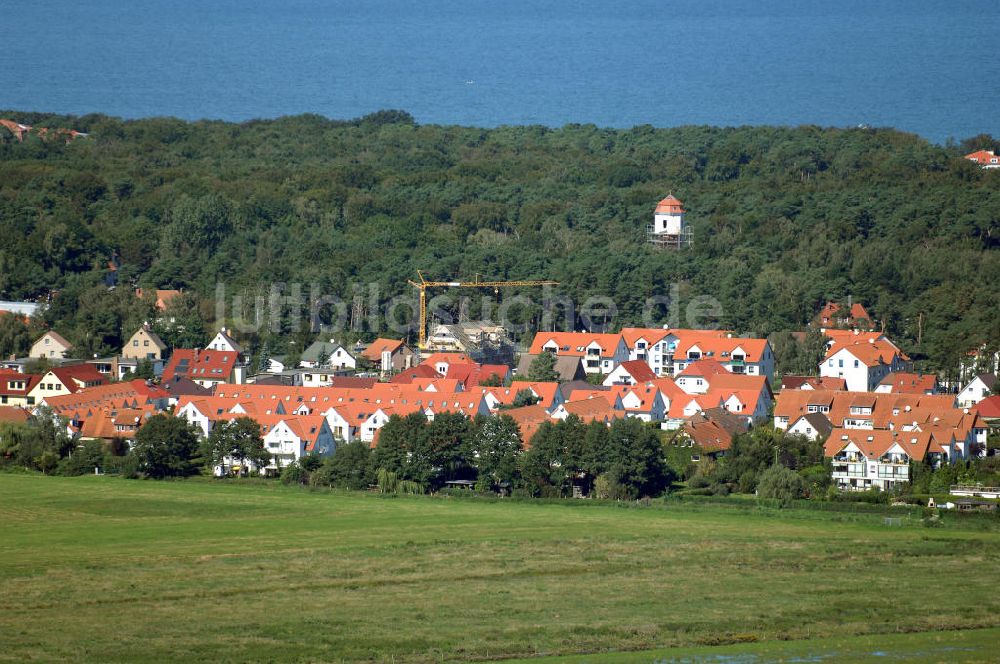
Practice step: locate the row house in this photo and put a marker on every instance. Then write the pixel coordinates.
(599, 353)
(962, 431)
(738, 355)
(865, 460)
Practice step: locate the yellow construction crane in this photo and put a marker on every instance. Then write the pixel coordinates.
(423, 285)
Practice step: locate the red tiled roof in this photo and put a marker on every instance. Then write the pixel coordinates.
(375, 349)
(574, 344)
(910, 383)
(196, 364)
(669, 205)
(639, 371)
(989, 407)
(982, 156)
(11, 414)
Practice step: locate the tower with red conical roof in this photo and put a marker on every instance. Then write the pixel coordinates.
(668, 228)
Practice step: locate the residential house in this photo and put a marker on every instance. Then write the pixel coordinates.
(15, 388)
(989, 410)
(162, 297)
(696, 377)
(327, 355)
(473, 375)
(987, 159)
(288, 439)
(567, 368)
(65, 380)
(13, 415)
(390, 355)
(207, 368)
(144, 344)
(863, 364)
(977, 389)
(50, 345)
(600, 353)
(815, 426)
(441, 362)
(631, 372)
(739, 355)
(223, 341)
(852, 316)
(864, 460)
(483, 341)
(712, 430)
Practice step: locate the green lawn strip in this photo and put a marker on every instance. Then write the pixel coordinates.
(142, 571)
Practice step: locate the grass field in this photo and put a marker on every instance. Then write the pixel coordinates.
(102, 569)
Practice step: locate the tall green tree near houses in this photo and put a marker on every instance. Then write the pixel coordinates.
(238, 441)
(497, 447)
(166, 446)
(543, 368)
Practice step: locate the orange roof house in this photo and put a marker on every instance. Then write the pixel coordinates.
(853, 316)
(163, 297)
(985, 158)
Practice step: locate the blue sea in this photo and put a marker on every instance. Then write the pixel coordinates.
(929, 67)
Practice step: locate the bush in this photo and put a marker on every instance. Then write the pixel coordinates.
(294, 473)
(780, 484)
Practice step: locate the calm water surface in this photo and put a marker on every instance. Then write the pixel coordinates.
(925, 66)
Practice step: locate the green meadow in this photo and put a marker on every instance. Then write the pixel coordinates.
(103, 569)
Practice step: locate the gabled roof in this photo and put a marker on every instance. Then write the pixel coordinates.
(178, 386)
(875, 443)
(375, 349)
(153, 336)
(819, 423)
(420, 371)
(981, 156)
(910, 383)
(58, 338)
(69, 375)
(639, 370)
(568, 368)
(528, 419)
(721, 348)
(987, 379)
(447, 358)
(815, 382)
(989, 407)
(703, 368)
(318, 348)
(6, 377)
(574, 344)
(652, 335)
(196, 364)
(870, 353)
(833, 311)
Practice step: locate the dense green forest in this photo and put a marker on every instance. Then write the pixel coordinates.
(783, 219)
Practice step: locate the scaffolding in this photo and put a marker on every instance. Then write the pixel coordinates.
(669, 240)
